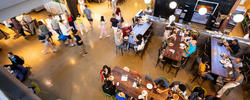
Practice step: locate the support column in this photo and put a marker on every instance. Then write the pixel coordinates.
(225, 22)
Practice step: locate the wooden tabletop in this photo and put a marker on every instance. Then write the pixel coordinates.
(127, 86)
(216, 51)
(139, 29)
(177, 55)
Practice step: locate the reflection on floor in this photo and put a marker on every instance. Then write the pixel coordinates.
(69, 76)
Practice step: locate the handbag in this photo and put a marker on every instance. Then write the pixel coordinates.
(122, 20)
(62, 37)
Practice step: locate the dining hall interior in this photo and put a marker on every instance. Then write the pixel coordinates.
(124, 49)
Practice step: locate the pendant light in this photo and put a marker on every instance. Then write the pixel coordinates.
(202, 11)
(172, 5)
(238, 18)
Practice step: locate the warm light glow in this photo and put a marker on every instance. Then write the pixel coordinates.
(72, 61)
(172, 4)
(171, 19)
(238, 18)
(147, 1)
(48, 82)
(202, 11)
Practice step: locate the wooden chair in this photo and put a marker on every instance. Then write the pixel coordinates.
(176, 66)
(107, 95)
(160, 59)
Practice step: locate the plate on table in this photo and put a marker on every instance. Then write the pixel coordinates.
(149, 86)
(126, 37)
(144, 92)
(182, 44)
(171, 44)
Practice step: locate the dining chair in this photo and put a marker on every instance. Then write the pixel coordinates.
(176, 66)
(165, 78)
(107, 95)
(160, 59)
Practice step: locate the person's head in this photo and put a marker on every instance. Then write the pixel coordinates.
(102, 18)
(193, 42)
(235, 42)
(61, 21)
(237, 60)
(160, 83)
(79, 15)
(86, 6)
(117, 11)
(10, 54)
(239, 69)
(40, 23)
(204, 60)
(105, 67)
(172, 24)
(182, 87)
(50, 16)
(168, 28)
(139, 37)
(113, 15)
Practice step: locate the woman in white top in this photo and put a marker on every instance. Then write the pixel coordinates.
(167, 33)
(65, 31)
(103, 27)
(118, 16)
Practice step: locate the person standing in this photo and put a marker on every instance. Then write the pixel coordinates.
(27, 19)
(43, 29)
(118, 16)
(71, 21)
(18, 26)
(55, 25)
(113, 4)
(44, 40)
(66, 32)
(88, 13)
(114, 22)
(103, 27)
(81, 45)
(79, 21)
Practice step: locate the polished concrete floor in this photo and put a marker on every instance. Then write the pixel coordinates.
(68, 76)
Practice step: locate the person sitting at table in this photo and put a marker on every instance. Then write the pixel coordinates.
(190, 49)
(232, 46)
(161, 85)
(235, 61)
(139, 43)
(105, 72)
(148, 11)
(109, 86)
(126, 31)
(238, 79)
(167, 33)
(180, 88)
(120, 96)
(204, 69)
(197, 94)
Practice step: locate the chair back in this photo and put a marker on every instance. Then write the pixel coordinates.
(136, 73)
(102, 77)
(166, 79)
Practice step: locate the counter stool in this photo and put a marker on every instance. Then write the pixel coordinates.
(160, 59)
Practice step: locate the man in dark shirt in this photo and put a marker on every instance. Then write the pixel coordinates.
(233, 46)
(114, 22)
(15, 60)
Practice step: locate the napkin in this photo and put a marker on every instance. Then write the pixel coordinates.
(124, 78)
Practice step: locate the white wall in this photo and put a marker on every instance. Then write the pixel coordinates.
(20, 8)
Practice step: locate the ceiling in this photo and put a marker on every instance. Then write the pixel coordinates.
(9, 3)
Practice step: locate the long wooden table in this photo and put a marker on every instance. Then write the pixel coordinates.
(216, 51)
(177, 55)
(127, 86)
(139, 29)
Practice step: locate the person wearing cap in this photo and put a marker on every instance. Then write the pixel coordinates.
(233, 46)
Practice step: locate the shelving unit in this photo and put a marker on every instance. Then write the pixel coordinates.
(246, 23)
